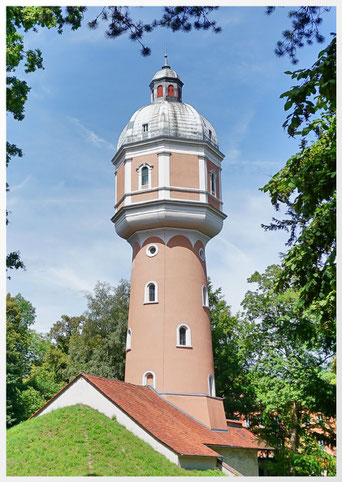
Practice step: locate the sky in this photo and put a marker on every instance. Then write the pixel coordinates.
(62, 191)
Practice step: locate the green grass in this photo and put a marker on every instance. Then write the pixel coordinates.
(79, 441)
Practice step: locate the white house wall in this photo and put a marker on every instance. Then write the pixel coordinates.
(82, 392)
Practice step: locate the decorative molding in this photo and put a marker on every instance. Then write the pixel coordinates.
(171, 144)
(165, 213)
(166, 234)
(168, 188)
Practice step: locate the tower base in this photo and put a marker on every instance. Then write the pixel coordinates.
(206, 409)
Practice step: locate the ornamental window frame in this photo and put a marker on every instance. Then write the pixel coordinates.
(147, 293)
(140, 176)
(187, 336)
(151, 250)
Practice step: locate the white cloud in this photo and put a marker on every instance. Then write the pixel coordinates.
(91, 136)
(18, 187)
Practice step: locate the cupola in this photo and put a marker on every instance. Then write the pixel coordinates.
(166, 84)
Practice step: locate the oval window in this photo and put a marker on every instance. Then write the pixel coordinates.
(151, 250)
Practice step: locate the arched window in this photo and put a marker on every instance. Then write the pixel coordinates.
(152, 95)
(129, 340)
(144, 170)
(151, 292)
(170, 91)
(144, 176)
(149, 378)
(205, 299)
(211, 386)
(160, 91)
(179, 93)
(183, 335)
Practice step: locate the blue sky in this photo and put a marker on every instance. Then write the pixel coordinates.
(62, 190)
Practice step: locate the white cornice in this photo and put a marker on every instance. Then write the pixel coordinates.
(168, 213)
(168, 145)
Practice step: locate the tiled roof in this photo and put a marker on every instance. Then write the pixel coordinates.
(171, 426)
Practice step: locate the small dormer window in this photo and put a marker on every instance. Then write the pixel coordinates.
(145, 127)
(179, 93)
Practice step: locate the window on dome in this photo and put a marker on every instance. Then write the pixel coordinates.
(144, 176)
(145, 127)
(170, 91)
(160, 91)
(210, 134)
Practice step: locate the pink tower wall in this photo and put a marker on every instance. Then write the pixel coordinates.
(180, 275)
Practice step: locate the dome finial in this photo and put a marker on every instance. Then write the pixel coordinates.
(166, 65)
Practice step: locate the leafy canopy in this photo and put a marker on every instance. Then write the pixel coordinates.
(306, 186)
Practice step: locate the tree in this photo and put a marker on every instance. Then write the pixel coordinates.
(61, 332)
(99, 348)
(291, 379)
(306, 186)
(230, 349)
(305, 28)
(20, 315)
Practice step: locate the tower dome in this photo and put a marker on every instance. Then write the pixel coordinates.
(167, 115)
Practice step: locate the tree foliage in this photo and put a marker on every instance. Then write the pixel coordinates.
(306, 186)
(20, 354)
(120, 21)
(304, 28)
(99, 347)
(230, 347)
(291, 379)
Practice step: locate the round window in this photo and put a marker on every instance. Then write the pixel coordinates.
(151, 250)
(201, 254)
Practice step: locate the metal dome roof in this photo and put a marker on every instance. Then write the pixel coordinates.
(166, 72)
(167, 115)
(171, 119)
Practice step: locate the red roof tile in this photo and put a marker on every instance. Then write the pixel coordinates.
(178, 431)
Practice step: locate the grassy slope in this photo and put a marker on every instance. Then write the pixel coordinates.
(78, 441)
